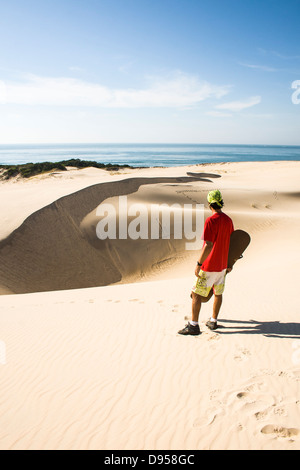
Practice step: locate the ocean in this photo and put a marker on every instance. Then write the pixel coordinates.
(146, 155)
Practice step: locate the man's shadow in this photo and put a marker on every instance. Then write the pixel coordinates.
(271, 329)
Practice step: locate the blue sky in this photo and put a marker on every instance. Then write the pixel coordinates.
(181, 71)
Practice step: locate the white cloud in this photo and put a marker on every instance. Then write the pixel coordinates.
(278, 54)
(265, 68)
(218, 114)
(285, 56)
(178, 91)
(240, 105)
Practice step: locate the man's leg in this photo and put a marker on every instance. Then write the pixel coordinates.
(192, 328)
(217, 305)
(212, 323)
(196, 306)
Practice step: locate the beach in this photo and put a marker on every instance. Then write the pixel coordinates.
(90, 357)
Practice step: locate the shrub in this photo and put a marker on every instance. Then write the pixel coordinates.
(32, 169)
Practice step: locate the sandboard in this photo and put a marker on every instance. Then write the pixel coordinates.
(239, 241)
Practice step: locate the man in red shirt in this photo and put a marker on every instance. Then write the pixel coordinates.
(212, 265)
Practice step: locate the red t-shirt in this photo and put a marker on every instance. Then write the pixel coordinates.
(217, 229)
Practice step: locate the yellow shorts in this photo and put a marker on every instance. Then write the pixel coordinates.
(209, 280)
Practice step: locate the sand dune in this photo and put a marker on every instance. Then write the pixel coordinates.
(51, 251)
(103, 367)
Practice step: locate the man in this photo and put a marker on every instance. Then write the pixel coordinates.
(212, 265)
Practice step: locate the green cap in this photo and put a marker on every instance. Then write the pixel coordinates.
(215, 196)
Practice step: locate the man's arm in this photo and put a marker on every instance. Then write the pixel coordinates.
(205, 252)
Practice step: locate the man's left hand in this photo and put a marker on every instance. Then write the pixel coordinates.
(197, 270)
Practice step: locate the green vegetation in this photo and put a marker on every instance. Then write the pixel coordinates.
(32, 169)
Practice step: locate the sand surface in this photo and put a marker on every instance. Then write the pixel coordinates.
(86, 365)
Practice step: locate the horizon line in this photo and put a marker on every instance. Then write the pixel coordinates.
(149, 143)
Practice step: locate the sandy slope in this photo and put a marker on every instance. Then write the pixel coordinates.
(103, 368)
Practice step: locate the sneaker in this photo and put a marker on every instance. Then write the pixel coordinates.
(190, 330)
(212, 325)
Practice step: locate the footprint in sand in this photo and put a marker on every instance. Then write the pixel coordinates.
(260, 415)
(242, 395)
(242, 354)
(208, 418)
(134, 300)
(280, 431)
(253, 403)
(280, 411)
(213, 337)
(277, 411)
(253, 397)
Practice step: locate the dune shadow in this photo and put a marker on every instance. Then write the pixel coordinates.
(203, 175)
(295, 194)
(271, 329)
